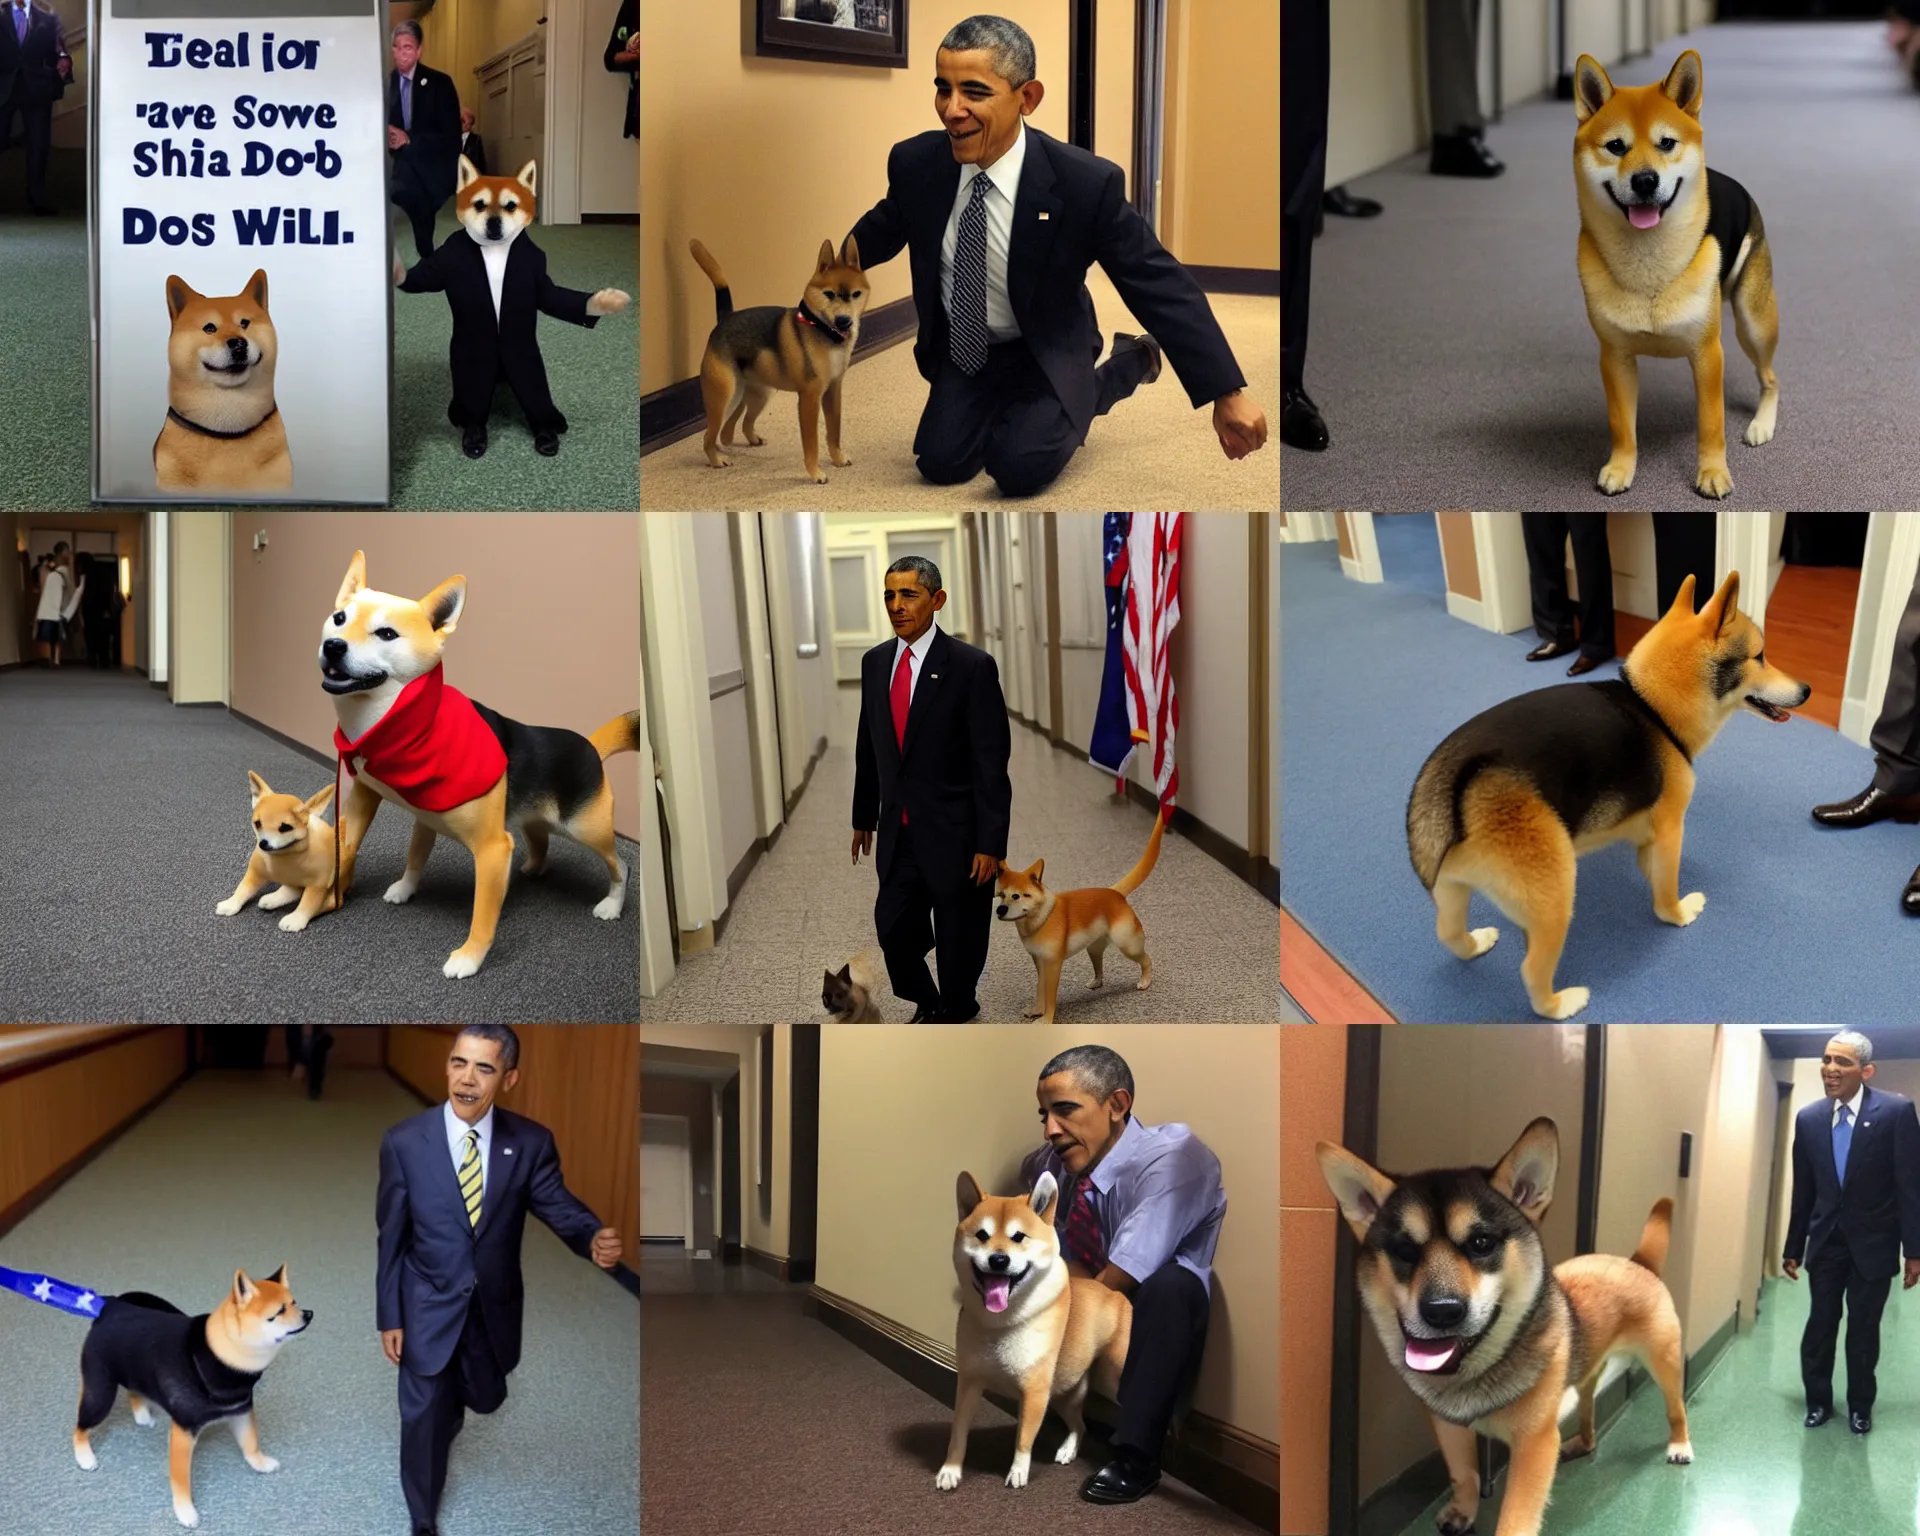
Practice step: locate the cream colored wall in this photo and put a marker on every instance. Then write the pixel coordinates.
(974, 1108)
(550, 635)
(463, 34)
(198, 606)
(1220, 159)
(1113, 84)
(1731, 1169)
(733, 152)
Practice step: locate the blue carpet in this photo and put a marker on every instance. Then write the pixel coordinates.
(1801, 925)
(1410, 552)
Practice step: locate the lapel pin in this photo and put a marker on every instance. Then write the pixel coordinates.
(1044, 215)
(506, 1151)
(934, 675)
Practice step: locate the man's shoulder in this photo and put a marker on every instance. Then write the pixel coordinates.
(1071, 163)
(413, 1123)
(922, 146)
(1175, 1142)
(428, 72)
(1887, 1101)
(519, 1127)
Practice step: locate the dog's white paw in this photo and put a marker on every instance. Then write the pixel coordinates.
(1143, 983)
(1017, 1473)
(1616, 475)
(608, 301)
(842, 462)
(818, 478)
(401, 891)
(1759, 430)
(143, 1416)
(719, 461)
(1097, 983)
(1713, 480)
(609, 906)
(1680, 1453)
(1565, 1003)
(263, 1463)
(460, 964)
(88, 1461)
(228, 907)
(1069, 1448)
(285, 896)
(1690, 908)
(948, 1477)
(186, 1514)
(293, 922)
(1483, 940)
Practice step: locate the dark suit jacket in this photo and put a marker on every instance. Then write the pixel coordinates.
(626, 27)
(1087, 219)
(33, 62)
(952, 778)
(433, 1265)
(1878, 1209)
(428, 162)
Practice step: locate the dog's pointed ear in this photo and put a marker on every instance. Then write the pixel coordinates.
(525, 178)
(966, 1194)
(1682, 605)
(1684, 85)
(1359, 1188)
(826, 256)
(354, 581)
(464, 175)
(1525, 1175)
(849, 252)
(1723, 604)
(256, 288)
(845, 973)
(279, 1276)
(259, 786)
(243, 1288)
(1592, 90)
(319, 802)
(444, 602)
(1045, 1197)
(179, 296)
(1037, 867)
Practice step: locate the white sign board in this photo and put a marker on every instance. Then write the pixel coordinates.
(242, 281)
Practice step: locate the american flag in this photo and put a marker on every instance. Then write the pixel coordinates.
(1143, 556)
(55, 1293)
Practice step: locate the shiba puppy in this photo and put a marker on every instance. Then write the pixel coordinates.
(199, 1370)
(1027, 1328)
(1454, 1275)
(1664, 242)
(460, 769)
(1055, 925)
(223, 431)
(753, 352)
(1507, 803)
(293, 845)
(848, 993)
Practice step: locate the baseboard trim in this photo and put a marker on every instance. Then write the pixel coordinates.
(1262, 282)
(12, 666)
(673, 411)
(1238, 1471)
(611, 218)
(312, 754)
(787, 1271)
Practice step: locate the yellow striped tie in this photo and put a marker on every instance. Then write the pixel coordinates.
(471, 1178)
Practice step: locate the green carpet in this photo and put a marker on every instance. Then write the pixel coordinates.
(45, 352)
(1756, 1470)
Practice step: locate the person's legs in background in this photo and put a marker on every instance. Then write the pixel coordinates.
(1453, 91)
(1545, 536)
(1305, 73)
(1593, 564)
(1684, 545)
(1170, 1312)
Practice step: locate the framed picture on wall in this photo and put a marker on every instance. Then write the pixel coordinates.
(833, 31)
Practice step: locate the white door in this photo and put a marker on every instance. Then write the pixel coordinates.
(859, 617)
(666, 1179)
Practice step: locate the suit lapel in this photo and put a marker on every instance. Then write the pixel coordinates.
(447, 1176)
(1824, 1142)
(884, 679)
(925, 690)
(1032, 233)
(501, 1157)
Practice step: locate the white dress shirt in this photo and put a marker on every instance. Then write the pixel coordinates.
(457, 1141)
(1004, 174)
(493, 254)
(918, 650)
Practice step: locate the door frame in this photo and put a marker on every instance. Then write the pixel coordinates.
(688, 1219)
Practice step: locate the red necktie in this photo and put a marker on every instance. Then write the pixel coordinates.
(1081, 1241)
(902, 696)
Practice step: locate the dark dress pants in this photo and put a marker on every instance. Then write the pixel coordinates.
(37, 119)
(433, 1410)
(1896, 734)
(1683, 546)
(1170, 1311)
(1835, 1279)
(1305, 78)
(912, 916)
(1546, 535)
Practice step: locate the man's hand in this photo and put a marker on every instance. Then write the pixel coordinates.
(1791, 1269)
(862, 843)
(396, 137)
(390, 1341)
(1912, 1276)
(985, 867)
(627, 56)
(606, 1247)
(1240, 425)
(64, 68)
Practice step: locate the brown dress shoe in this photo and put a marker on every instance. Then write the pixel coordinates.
(1872, 804)
(1547, 652)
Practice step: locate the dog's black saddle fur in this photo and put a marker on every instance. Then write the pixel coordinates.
(149, 1346)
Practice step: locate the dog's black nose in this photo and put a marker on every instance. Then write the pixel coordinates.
(1003, 909)
(265, 846)
(333, 650)
(844, 323)
(1645, 183)
(998, 1262)
(1442, 1311)
(306, 1315)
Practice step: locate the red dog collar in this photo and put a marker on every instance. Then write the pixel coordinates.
(431, 748)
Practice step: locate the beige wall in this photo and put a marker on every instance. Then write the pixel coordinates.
(550, 635)
(198, 607)
(1113, 85)
(1220, 160)
(974, 1108)
(463, 34)
(732, 153)
(693, 1100)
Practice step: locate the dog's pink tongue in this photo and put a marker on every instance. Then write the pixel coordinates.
(997, 1294)
(1643, 215)
(1428, 1354)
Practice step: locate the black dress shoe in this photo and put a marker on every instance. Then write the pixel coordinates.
(1818, 1416)
(1343, 204)
(964, 1015)
(1586, 664)
(1872, 804)
(1910, 897)
(546, 444)
(1463, 154)
(1300, 423)
(1551, 650)
(1145, 343)
(925, 1013)
(1125, 1479)
(473, 442)
(1860, 1423)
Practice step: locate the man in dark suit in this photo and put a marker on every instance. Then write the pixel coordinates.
(34, 70)
(1305, 77)
(471, 144)
(1856, 1204)
(1000, 223)
(456, 1183)
(423, 134)
(930, 773)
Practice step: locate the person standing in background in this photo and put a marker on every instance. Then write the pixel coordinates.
(1546, 535)
(1459, 146)
(623, 56)
(34, 70)
(423, 134)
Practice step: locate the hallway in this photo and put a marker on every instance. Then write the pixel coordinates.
(805, 909)
(238, 1170)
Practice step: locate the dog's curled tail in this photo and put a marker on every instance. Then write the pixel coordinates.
(1652, 1253)
(1137, 876)
(722, 293)
(620, 734)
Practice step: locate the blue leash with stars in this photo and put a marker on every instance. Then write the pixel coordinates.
(54, 1293)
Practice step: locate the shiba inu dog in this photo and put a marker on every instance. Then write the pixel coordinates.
(1055, 925)
(1027, 1327)
(460, 769)
(293, 845)
(848, 993)
(223, 430)
(753, 352)
(200, 1370)
(1509, 801)
(1453, 1274)
(1664, 242)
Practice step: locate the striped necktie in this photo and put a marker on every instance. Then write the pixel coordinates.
(472, 1176)
(967, 339)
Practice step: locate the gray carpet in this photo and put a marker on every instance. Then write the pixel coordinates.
(239, 1170)
(126, 821)
(1450, 349)
(760, 1419)
(1213, 939)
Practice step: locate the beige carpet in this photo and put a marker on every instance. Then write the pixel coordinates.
(1152, 452)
